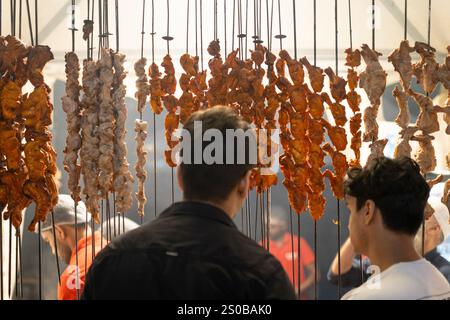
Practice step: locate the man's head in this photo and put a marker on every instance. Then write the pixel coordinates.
(65, 227)
(225, 183)
(387, 197)
(437, 227)
(278, 223)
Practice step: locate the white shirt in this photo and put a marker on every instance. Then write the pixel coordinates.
(416, 280)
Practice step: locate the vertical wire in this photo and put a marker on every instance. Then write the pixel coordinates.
(154, 121)
(56, 248)
(20, 19)
(143, 29)
(17, 266)
(315, 221)
(196, 28)
(405, 36)
(279, 25)
(225, 25)
(187, 26)
(117, 24)
(338, 202)
(1, 252)
(373, 24)
(234, 22)
(350, 23)
(10, 257)
(40, 258)
(30, 24)
(201, 33)
(292, 245)
(295, 28)
(246, 28)
(21, 267)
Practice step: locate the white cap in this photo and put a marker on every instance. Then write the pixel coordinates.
(440, 210)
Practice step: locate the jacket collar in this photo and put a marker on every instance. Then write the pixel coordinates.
(199, 209)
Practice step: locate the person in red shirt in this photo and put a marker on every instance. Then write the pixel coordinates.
(284, 247)
(72, 241)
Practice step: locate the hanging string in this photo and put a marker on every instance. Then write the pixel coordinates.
(72, 27)
(21, 267)
(1, 22)
(20, 19)
(429, 22)
(215, 20)
(246, 28)
(100, 28)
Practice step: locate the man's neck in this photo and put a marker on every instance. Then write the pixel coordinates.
(390, 249)
(221, 205)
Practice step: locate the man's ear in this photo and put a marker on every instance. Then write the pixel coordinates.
(60, 232)
(179, 178)
(244, 184)
(370, 210)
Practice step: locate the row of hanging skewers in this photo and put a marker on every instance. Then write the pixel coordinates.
(27, 158)
(95, 144)
(300, 108)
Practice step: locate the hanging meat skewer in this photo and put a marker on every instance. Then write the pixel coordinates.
(122, 177)
(426, 70)
(141, 173)
(72, 107)
(170, 102)
(336, 133)
(40, 157)
(353, 60)
(90, 146)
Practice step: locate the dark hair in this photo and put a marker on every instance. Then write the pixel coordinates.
(397, 188)
(214, 181)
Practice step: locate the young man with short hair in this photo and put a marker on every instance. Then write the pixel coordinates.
(386, 201)
(193, 250)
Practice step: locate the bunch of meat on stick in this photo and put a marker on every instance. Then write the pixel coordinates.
(40, 157)
(13, 172)
(72, 107)
(353, 60)
(401, 60)
(373, 81)
(217, 84)
(187, 102)
(336, 133)
(107, 123)
(143, 90)
(292, 118)
(263, 177)
(122, 177)
(316, 136)
(170, 102)
(444, 78)
(90, 140)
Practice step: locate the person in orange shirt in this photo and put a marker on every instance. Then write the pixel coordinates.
(72, 241)
(284, 247)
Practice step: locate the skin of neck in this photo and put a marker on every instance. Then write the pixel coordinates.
(81, 233)
(384, 254)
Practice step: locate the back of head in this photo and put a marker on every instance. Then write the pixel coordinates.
(225, 141)
(397, 188)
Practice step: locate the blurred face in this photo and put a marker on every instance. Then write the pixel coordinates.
(356, 225)
(277, 229)
(64, 250)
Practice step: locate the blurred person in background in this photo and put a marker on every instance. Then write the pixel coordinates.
(284, 247)
(72, 241)
(116, 226)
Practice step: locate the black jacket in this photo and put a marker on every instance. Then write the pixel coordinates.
(191, 251)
